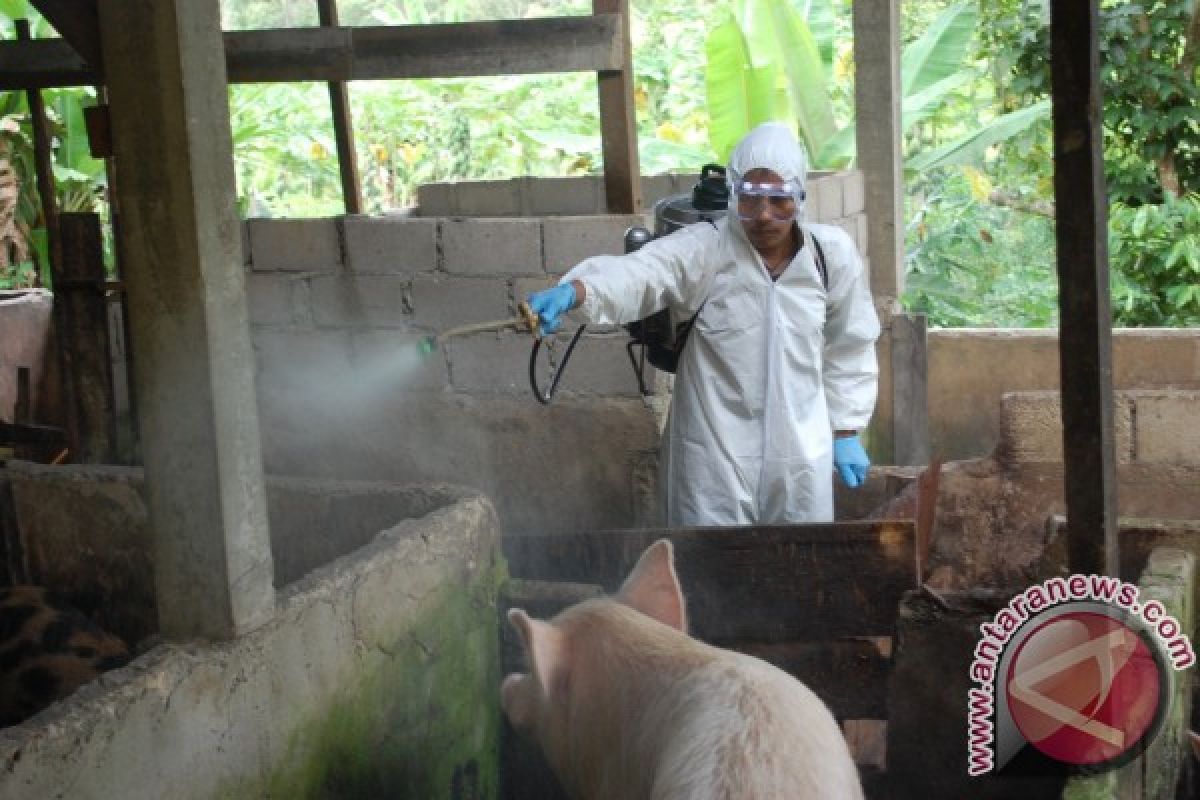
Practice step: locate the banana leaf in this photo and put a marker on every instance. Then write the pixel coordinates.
(806, 76)
(970, 149)
(941, 51)
(739, 95)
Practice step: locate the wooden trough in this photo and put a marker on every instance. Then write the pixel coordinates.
(818, 601)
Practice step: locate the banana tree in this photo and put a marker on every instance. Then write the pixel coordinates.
(766, 61)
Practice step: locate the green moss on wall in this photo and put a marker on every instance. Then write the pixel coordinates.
(420, 722)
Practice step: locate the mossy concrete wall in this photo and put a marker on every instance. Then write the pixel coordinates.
(377, 677)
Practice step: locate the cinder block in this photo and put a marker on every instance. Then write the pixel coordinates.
(1031, 427)
(490, 362)
(441, 302)
(812, 200)
(489, 198)
(598, 366)
(569, 240)
(1168, 426)
(390, 244)
(294, 245)
(345, 301)
(830, 208)
(393, 362)
(853, 193)
(269, 298)
(563, 196)
(437, 199)
(492, 246)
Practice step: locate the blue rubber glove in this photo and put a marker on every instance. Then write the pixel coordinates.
(551, 304)
(851, 461)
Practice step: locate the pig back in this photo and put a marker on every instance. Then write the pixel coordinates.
(741, 729)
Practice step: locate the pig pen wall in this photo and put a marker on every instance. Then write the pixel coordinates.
(970, 370)
(339, 305)
(377, 676)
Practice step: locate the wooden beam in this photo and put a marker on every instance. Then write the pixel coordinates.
(503, 47)
(787, 582)
(80, 290)
(343, 124)
(1085, 319)
(618, 121)
(78, 23)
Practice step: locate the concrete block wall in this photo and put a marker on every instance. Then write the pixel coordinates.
(969, 370)
(338, 307)
(1152, 426)
(834, 198)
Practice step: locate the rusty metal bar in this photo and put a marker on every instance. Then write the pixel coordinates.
(1085, 326)
(343, 124)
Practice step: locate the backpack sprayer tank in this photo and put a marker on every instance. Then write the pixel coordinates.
(660, 340)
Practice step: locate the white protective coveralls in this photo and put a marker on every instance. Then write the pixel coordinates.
(771, 368)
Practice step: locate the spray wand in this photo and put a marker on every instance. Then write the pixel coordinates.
(526, 320)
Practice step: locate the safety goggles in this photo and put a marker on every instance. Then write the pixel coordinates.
(779, 199)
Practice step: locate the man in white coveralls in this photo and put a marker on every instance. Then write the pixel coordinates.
(779, 375)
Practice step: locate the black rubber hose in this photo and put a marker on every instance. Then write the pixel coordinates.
(545, 397)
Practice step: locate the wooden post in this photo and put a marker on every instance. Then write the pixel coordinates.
(43, 160)
(343, 124)
(618, 122)
(80, 289)
(1085, 327)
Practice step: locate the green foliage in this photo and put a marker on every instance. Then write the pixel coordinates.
(1151, 95)
(974, 264)
(1155, 251)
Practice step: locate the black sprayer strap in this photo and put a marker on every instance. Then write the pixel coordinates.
(820, 259)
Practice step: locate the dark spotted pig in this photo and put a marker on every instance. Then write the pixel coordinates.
(47, 651)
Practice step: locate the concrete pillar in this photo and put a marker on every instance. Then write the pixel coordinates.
(877, 97)
(193, 361)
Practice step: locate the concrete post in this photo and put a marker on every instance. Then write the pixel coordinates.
(877, 96)
(193, 361)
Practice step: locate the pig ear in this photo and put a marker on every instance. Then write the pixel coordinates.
(653, 588)
(545, 648)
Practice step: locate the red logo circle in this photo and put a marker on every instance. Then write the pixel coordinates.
(1085, 688)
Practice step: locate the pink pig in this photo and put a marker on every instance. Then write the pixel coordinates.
(627, 706)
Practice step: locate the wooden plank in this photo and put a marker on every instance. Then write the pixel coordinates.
(910, 407)
(14, 433)
(1085, 327)
(618, 122)
(43, 64)
(397, 52)
(750, 584)
(343, 124)
(78, 23)
(80, 289)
